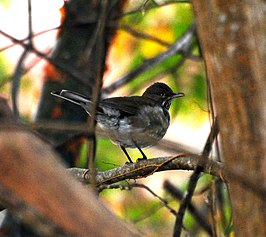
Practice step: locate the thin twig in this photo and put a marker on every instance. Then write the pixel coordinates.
(151, 7)
(221, 202)
(143, 35)
(27, 38)
(64, 68)
(201, 220)
(194, 179)
(213, 208)
(136, 185)
(182, 44)
(16, 82)
(20, 66)
(30, 24)
(162, 73)
(96, 92)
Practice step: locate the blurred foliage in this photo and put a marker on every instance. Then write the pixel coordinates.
(4, 72)
(5, 3)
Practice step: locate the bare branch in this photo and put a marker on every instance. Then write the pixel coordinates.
(96, 92)
(142, 35)
(64, 68)
(175, 192)
(136, 185)
(144, 8)
(144, 168)
(194, 179)
(213, 208)
(30, 24)
(16, 81)
(30, 164)
(180, 46)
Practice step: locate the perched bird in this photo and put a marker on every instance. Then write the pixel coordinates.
(131, 121)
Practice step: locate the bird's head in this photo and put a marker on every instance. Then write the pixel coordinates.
(162, 94)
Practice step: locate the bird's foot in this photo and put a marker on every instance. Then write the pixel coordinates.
(143, 158)
(127, 163)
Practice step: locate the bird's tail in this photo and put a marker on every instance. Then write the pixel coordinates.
(73, 97)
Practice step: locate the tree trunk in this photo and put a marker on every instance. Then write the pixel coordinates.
(75, 54)
(232, 39)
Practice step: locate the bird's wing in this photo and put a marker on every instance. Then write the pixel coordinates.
(125, 106)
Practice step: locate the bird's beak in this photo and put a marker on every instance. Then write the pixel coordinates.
(177, 94)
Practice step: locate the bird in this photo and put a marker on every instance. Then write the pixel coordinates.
(130, 121)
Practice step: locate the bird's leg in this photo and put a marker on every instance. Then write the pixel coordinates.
(144, 157)
(125, 151)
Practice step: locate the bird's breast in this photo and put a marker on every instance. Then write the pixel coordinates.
(144, 129)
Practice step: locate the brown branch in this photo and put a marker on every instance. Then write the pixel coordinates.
(136, 185)
(194, 179)
(201, 220)
(213, 208)
(143, 35)
(36, 189)
(27, 38)
(16, 81)
(180, 46)
(83, 79)
(20, 65)
(144, 168)
(146, 8)
(30, 24)
(96, 92)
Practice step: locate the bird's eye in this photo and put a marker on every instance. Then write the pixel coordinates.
(162, 94)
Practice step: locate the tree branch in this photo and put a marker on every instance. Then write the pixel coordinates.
(137, 185)
(175, 192)
(194, 179)
(144, 168)
(36, 189)
(63, 67)
(180, 46)
(16, 81)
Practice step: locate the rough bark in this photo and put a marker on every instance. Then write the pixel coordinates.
(233, 42)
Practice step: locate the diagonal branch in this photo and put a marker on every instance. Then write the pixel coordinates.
(180, 46)
(16, 81)
(143, 35)
(146, 8)
(137, 185)
(175, 192)
(194, 179)
(56, 205)
(20, 66)
(64, 68)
